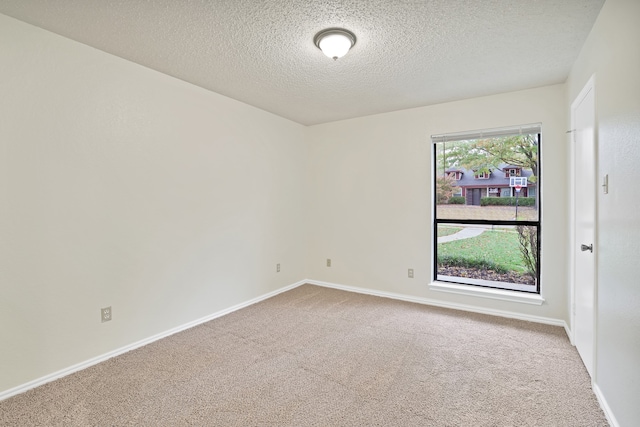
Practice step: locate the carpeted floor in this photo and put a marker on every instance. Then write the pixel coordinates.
(322, 357)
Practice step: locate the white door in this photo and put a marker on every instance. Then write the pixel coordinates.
(583, 117)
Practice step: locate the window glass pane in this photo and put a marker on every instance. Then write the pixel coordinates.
(504, 257)
(497, 178)
(486, 205)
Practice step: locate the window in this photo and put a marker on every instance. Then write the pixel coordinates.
(531, 192)
(513, 172)
(454, 175)
(490, 237)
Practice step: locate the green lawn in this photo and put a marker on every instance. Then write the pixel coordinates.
(445, 230)
(494, 250)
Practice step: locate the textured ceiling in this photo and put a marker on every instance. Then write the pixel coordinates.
(409, 53)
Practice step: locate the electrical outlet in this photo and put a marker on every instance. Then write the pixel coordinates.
(277, 268)
(105, 314)
(411, 273)
(328, 262)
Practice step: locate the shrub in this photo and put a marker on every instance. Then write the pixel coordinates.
(507, 201)
(457, 200)
(445, 187)
(461, 261)
(528, 240)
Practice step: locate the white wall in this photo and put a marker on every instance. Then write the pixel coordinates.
(612, 52)
(371, 185)
(124, 187)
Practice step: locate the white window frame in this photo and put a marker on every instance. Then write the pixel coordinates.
(477, 289)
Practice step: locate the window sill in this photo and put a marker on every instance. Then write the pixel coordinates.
(498, 294)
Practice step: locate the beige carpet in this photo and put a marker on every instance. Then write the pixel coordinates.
(322, 357)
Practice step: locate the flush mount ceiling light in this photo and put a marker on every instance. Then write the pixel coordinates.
(335, 42)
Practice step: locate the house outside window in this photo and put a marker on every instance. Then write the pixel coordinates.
(501, 227)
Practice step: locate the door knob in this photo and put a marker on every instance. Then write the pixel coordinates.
(584, 247)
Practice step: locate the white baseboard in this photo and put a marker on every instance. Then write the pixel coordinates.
(569, 334)
(444, 304)
(87, 363)
(605, 406)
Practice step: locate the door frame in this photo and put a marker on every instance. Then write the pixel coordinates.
(589, 86)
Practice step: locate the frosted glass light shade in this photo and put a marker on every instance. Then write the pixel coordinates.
(335, 45)
(335, 42)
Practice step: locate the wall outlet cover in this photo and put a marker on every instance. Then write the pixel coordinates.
(105, 314)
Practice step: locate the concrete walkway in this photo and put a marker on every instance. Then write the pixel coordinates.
(465, 233)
